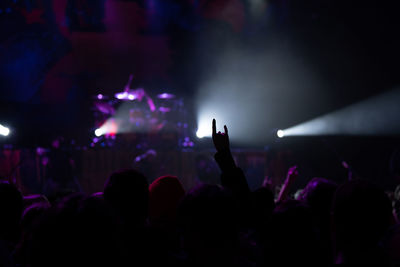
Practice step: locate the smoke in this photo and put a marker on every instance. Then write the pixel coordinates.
(378, 115)
(253, 91)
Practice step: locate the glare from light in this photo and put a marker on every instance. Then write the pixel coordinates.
(4, 130)
(109, 128)
(204, 120)
(200, 133)
(121, 96)
(280, 133)
(99, 132)
(246, 103)
(377, 115)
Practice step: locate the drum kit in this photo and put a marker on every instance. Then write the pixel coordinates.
(134, 111)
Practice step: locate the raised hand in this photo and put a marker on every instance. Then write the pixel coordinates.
(291, 177)
(220, 140)
(292, 174)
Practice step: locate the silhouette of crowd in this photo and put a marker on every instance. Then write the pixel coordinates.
(132, 223)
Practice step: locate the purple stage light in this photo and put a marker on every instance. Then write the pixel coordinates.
(125, 96)
(100, 96)
(164, 109)
(165, 96)
(187, 142)
(121, 95)
(40, 151)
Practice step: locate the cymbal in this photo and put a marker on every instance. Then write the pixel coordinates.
(105, 108)
(166, 96)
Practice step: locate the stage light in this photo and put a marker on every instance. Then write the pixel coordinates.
(109, 128)
(99, 132)
(4, 130)
(204, 120)
(200, 133)
(377, 115)
(280, 133)
(121, 96)
(244, 90)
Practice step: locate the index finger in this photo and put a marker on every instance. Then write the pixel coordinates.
(214, 127)
(226, 130)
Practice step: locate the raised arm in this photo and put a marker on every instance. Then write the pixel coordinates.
(231, 177)
(290, 179)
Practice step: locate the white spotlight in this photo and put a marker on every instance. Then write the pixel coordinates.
(204, 120)
(280, 133)
(4, 130)
(199, 134)
(99, 132)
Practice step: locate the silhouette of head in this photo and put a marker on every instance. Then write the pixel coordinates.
(31, 214)
(318, 194)
(165, 194)
(78, 231)
(291, 232)
(127, 191)
(208, 220)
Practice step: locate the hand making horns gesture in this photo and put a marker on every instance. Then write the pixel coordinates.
(220, 140)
